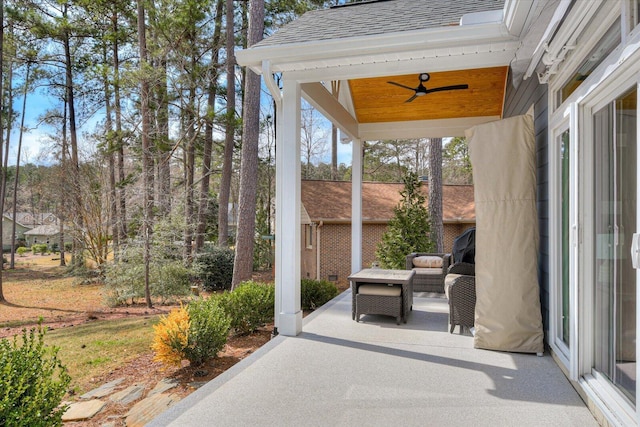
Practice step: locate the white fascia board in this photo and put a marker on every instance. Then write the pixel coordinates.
(322, 100)
(431, 61)
(440, 128)
(391, 43)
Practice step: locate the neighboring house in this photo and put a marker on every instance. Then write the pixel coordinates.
(49, 234)
(573, 65)
(7, 229)
(32, 219)
(326, 218)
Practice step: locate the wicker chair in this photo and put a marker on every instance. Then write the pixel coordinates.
(460, 289)
(428, 279)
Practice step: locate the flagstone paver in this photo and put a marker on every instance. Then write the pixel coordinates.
(128, 395)
(164, 385)
(103, 390)
(147, 409)
(83, 410)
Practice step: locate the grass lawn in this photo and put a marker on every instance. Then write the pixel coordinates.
(92, 349)
(93, 339)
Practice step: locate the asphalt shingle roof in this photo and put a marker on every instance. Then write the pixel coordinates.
(331, 200)
(377, 17)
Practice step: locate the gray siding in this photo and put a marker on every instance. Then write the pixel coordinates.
(518, 101)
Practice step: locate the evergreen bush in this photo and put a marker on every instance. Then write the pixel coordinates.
(214, 268)
(170, 336)
(22, 250)
(125, 280)
(250, 306)
(39, 248)
(315, 293)
(409, 229)
(208, 331)
(33, 382)
(196, 333)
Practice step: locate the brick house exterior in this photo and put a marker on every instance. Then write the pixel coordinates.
(326, 242)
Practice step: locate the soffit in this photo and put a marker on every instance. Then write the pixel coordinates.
(377, 101)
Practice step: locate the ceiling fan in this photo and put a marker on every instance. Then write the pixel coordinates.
(421, 90)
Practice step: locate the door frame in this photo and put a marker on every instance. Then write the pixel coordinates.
(622, 65)
(596, 386)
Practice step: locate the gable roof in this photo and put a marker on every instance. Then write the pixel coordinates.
(376, 17)
(44, 230)
(330, 201)
(18, 223)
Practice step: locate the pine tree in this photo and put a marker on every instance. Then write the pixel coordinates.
(410, 228)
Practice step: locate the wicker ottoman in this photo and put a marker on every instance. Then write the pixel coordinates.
(379, 299)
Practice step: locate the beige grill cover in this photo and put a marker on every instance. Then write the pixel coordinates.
(508, 315)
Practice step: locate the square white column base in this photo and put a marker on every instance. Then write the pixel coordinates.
(290, 324)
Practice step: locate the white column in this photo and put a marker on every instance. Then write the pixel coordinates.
(356, 206)
(288, 312)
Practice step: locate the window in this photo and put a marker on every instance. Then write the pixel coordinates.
(605, 46)
(308, 236)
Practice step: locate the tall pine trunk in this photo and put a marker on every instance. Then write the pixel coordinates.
(4, 171)
(117, 105)
(78, 223)
(227, 161)
(17, 177)
(203, 205)
(147, 161)
(3, 191)
(243, 262)
(110, 153)
(435, 193)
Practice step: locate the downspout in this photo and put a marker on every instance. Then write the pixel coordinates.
(272, 85)
(318, 247)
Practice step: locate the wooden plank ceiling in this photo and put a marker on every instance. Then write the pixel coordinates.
(377, 101)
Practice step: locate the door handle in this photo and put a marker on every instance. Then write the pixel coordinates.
(635, 250)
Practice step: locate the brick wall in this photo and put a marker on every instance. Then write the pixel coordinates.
(335, 249)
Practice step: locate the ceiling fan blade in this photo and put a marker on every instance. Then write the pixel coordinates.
(403, 86)
(412, 98)
(443, 88)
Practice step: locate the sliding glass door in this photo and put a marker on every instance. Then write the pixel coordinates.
(615, 222)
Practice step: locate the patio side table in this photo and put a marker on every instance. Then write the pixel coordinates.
(370, 276)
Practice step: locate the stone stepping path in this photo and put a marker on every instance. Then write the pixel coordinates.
(83, 410)
(103, 390)
(128, 395)
(140, 414)
(147, 409)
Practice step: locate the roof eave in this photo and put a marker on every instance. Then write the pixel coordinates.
(390, 43)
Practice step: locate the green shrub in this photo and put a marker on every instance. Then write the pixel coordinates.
(214, 268)
(315, 293)
(196, 333)
(208, 331)
(250, 306)
(33, 382)
(39, 248)
(22, 250)
(125, 280)
(169, 280)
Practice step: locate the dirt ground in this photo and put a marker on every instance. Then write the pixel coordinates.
(34, 290)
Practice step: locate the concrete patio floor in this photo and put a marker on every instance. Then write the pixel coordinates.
(375, 373)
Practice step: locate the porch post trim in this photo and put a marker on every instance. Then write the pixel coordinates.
(356, 206)
(289, 314)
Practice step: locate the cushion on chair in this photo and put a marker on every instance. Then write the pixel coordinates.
(448, 281)
(427, 262)
(382, 290)
(434, 271)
